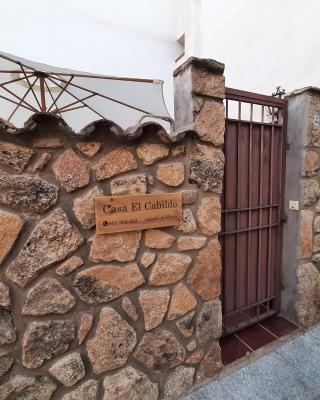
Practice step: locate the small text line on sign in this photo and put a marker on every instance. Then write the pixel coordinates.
(136, 212)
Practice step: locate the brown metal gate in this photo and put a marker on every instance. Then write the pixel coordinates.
(252, 216)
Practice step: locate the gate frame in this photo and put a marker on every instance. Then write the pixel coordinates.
(281, 104)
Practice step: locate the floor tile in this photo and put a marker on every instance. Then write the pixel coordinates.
(232, 349)
(278, 325)
(315, 332)
(289, 373)
(235, 320)
(256, 336)
(269, 378)
(304, 354)
(256, 311)
(210, 392)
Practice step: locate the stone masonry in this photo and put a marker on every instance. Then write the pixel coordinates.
(304, 158)
(133, 315)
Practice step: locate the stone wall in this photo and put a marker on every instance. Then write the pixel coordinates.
(303, 179)
(129, 315)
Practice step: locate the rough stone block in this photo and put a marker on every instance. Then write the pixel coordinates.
(114, 163)
(129, 383)
(186, 324)
(169, 268)
(48, 296)
(178, 382)
(207, 84)
(154, 304)
(5, 300)
(27, 193)
(311, 191)
(69, 266)
(195, 357)
(43, 340)
(53, 239)
(211, 363)
(316, 224)
(306, 233)
(48, 143)
(189, 196)
(15, 156)
(84, 207)
(178, 151)
(188, 224)
(158, 239)
(210, 122)
(11, 226)
(209, 322)
(115, 246)
(69, 369)
(186, 243)
(71, 171)
(313, 126)
(207, 168)
(171, 174)
(311, 165)
(209, 216)
(204, 277)
(147, 259)
(129, 184)
(112, 343)
(6, 362)
(160, 351)
(7, 328)
(89, 149)
(191, 345)
(41, 162)
(28, 388)
(85, 391)
(86, 321)
(182, 301)
(150, 153)
(129, 308)
(101, 284)
(308, 295)
(316, 243)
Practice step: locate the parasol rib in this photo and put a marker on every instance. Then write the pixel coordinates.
(74, 96)
(30, 86)
(107, 97)
(22, 99)
(63, 89)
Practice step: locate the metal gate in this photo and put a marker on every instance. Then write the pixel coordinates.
(252, 216)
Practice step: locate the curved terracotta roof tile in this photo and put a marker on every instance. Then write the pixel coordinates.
(131, 133)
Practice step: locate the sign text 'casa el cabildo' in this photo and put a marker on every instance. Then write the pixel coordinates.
(135, 212)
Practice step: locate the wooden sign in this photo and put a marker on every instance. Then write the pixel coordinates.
(135, 212)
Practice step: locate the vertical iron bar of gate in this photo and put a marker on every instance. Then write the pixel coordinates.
(249, 211)
(270, 209)
(222, 242)
(260, 211)
(238, 205)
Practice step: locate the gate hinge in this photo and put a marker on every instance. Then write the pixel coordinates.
(287, 146)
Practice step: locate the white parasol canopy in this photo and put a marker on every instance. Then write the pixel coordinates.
(27, 87)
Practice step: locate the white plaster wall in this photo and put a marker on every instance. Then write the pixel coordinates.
(263, 43)
(122, 37)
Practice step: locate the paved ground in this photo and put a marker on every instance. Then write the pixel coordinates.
(291, 372)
